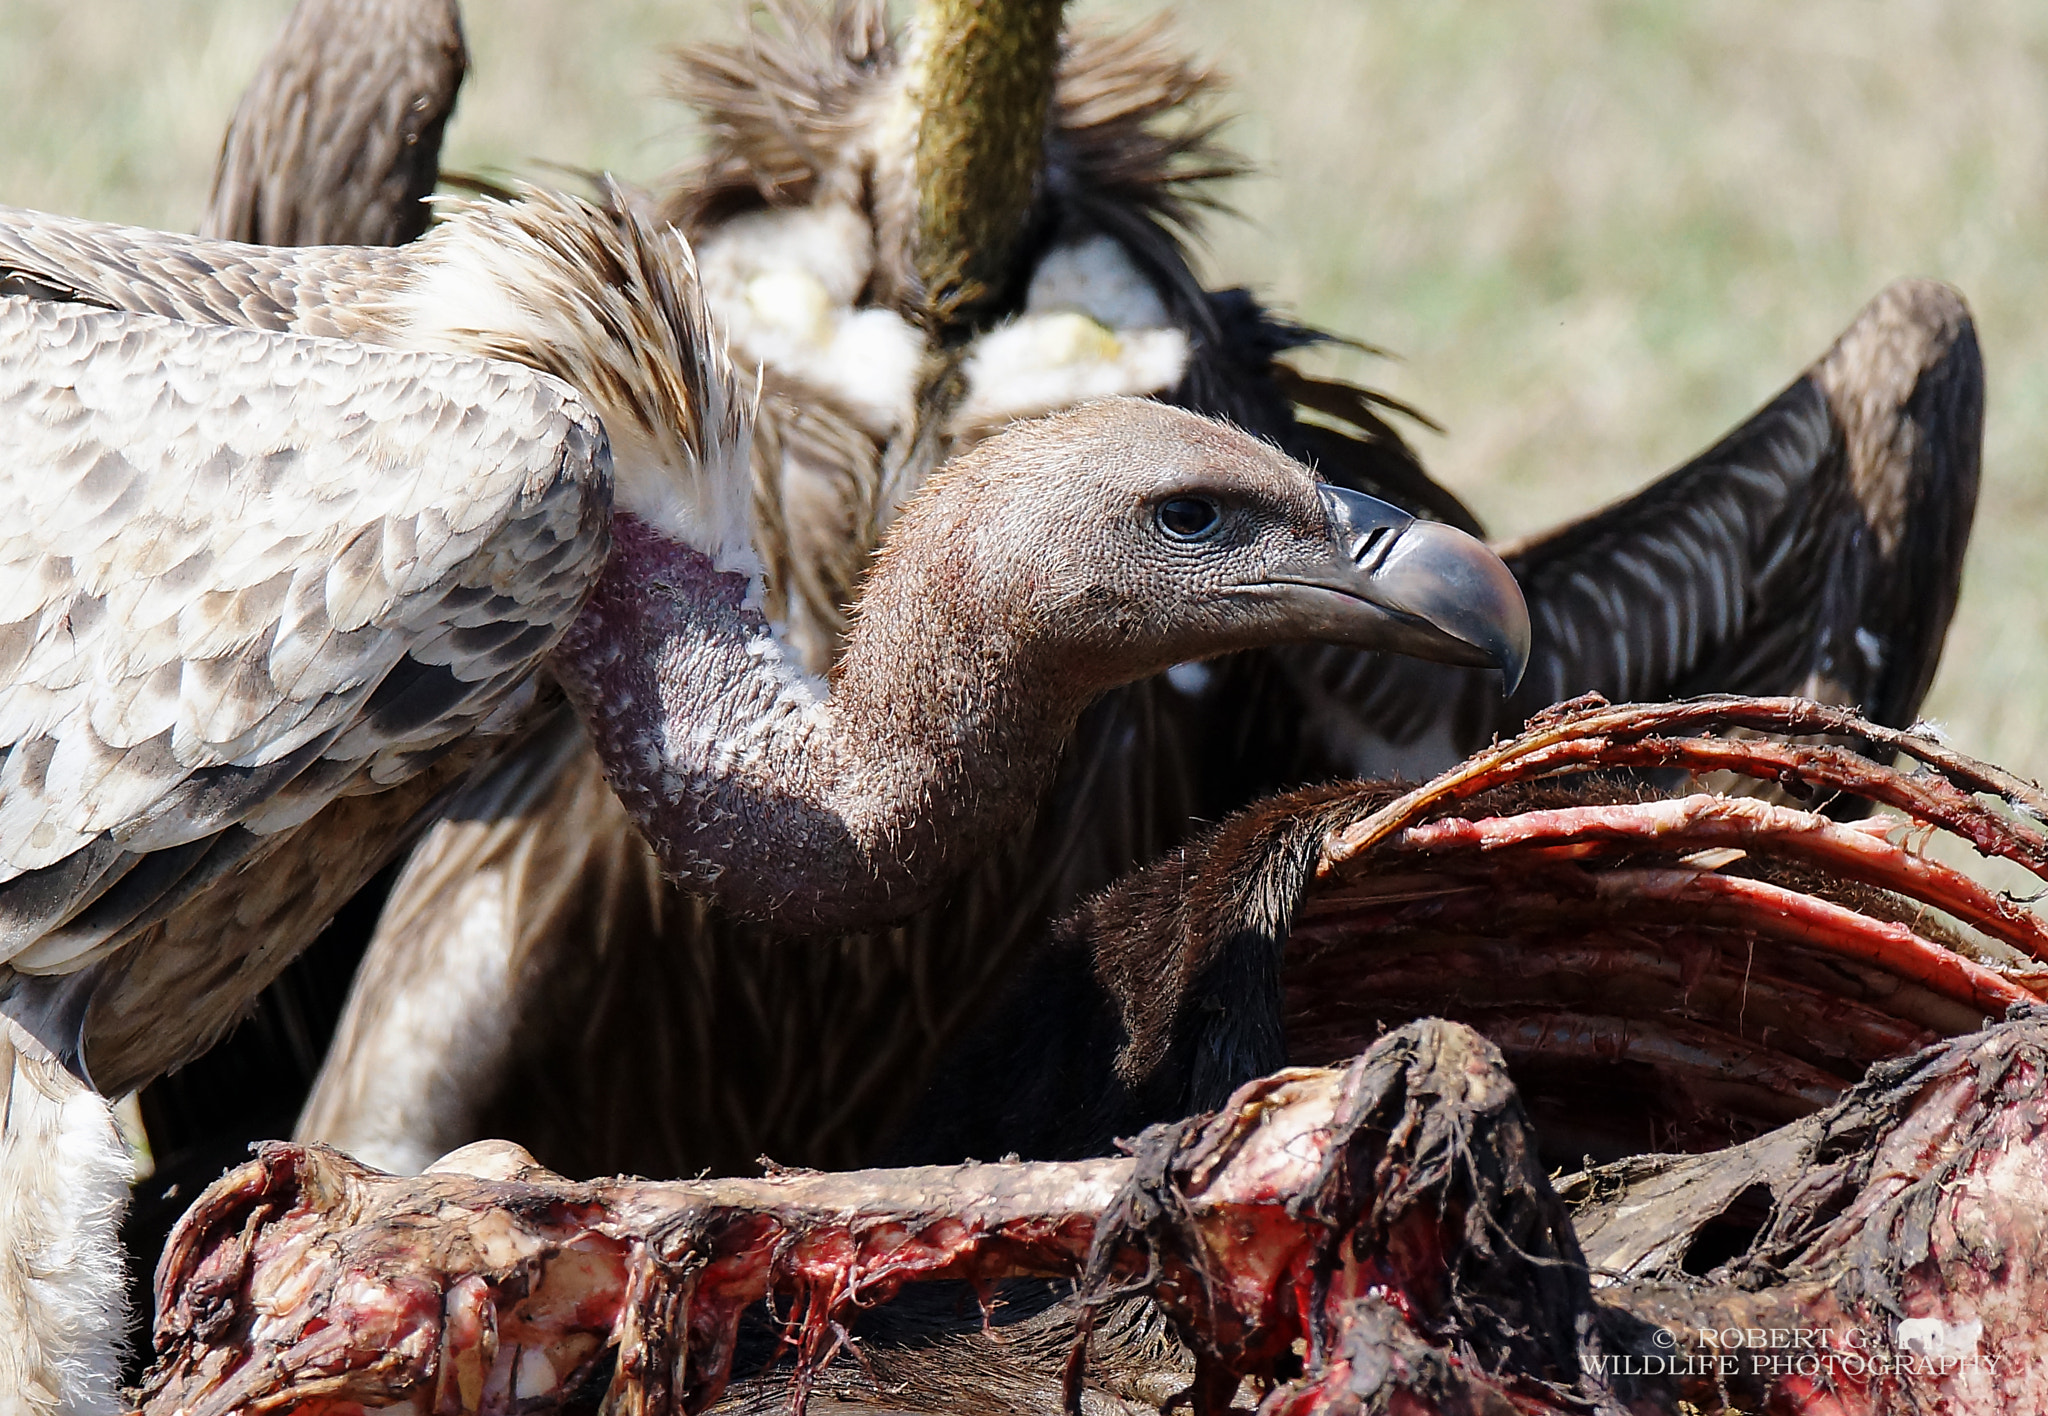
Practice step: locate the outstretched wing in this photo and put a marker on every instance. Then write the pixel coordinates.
(321, 290)
(242, 574)
(1817, 550)
(337, 140)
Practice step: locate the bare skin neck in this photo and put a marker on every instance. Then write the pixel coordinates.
(778, 801)
(756, 787)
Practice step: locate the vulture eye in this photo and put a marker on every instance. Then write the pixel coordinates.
(1189, 518)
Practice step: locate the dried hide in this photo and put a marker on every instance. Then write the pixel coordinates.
(1380, 1238)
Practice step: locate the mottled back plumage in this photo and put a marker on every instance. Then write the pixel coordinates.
(247, 573)
(316, 290)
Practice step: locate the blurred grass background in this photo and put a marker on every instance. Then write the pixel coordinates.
(1597, 232)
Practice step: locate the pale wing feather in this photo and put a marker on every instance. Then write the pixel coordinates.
(242, 572)
(321, 290)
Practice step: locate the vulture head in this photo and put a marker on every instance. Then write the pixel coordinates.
(1056, 561)
(1114, 540)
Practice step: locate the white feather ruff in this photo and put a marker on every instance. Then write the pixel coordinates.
(1093, 326)
(553, 282)
(64, 1177)
(1097, 277)
(1039, 363)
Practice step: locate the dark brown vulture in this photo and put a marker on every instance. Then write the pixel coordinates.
(617, 1022)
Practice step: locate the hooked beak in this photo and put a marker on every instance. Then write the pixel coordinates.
(1414, 587)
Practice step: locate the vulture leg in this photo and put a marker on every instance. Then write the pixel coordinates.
(337, 140)
(1817, 550)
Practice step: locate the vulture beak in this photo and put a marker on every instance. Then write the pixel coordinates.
(1415, 587)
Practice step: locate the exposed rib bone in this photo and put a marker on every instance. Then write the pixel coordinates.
(1589, 733)
(1695, 822)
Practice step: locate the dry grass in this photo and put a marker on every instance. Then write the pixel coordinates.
(1598, 231)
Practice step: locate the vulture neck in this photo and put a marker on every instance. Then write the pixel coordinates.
(755, 785)
(761, 790)
(980, 83)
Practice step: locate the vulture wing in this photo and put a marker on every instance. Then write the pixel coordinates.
(243, 574)
(325, 290)
(337, 141)
(1817, 550)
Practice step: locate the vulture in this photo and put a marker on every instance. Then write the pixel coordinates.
(616, 1020)
(296, 535)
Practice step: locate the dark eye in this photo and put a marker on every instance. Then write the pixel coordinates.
(1189, 518)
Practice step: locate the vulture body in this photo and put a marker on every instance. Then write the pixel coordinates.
(272, 592)
(624, 1024)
